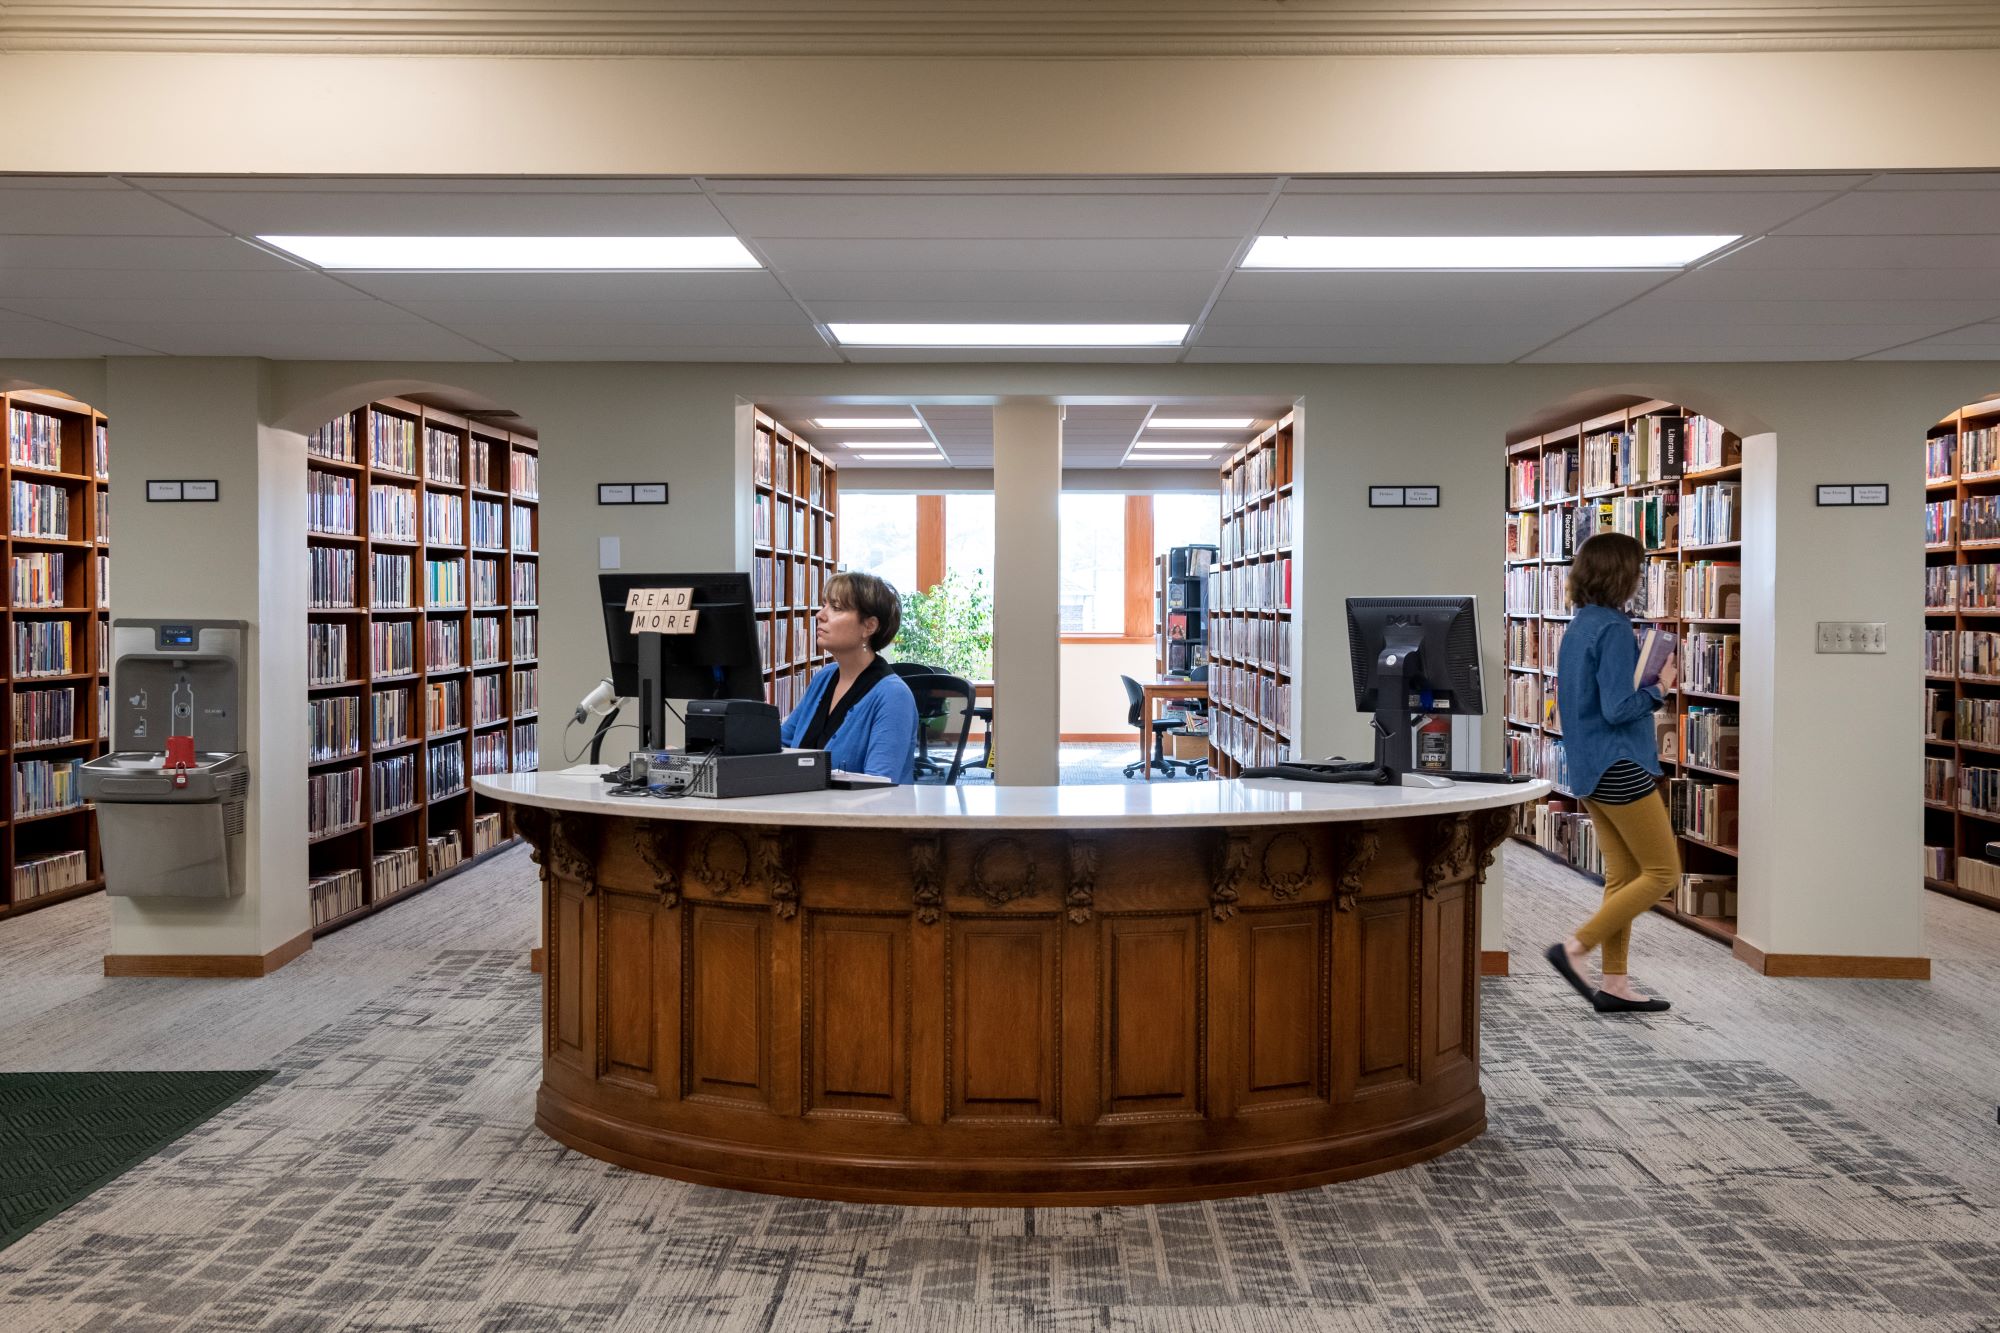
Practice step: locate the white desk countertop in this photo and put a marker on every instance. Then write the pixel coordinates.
(1187, 804)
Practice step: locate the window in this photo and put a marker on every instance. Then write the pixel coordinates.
(968, 535)
(1186, 520)
(878, 535)
(1093, 564)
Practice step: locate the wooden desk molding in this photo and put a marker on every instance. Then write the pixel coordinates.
(1035, 1000)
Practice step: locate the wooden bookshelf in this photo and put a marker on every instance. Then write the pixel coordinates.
(459, 516)
(61, 444)
(1603, 473)
(1252, 627)
(1961, 664)
(795, 535)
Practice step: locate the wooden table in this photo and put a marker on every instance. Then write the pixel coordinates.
(1151, 692)
(1012, 996)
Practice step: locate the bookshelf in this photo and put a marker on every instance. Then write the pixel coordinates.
(423, 646)
(57, 678)
(1252, 627)
(1673, 479)
(1962, 653)
(795, 535)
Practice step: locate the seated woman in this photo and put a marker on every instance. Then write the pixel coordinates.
(858, 710)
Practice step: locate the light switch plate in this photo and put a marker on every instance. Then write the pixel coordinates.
(1853, 636)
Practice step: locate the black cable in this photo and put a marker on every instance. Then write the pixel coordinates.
(569, 758)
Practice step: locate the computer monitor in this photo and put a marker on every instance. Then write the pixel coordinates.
(719, 660)
(1412, 655)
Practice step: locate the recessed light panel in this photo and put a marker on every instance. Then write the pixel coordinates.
(1200, 423)
(887, 444)
(1481, 252)
(1201, 446)
(1162, 458)
(1009, 335)
(901, 458)
(869, 423)
(517, 254)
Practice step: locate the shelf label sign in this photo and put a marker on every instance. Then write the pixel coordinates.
(662, 610)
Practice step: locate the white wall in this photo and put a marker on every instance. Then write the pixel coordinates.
(1093, 699)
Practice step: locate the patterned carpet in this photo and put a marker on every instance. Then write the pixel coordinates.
(1640, 1173)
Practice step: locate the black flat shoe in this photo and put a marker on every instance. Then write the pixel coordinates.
(1614, 1004)
(1559, 959)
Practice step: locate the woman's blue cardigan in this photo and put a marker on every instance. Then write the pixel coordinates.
(878, 735)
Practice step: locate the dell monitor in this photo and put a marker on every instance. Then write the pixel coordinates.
(719, 660)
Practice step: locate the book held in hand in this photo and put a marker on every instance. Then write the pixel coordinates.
(1655, 647)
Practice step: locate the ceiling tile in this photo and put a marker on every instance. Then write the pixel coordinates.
(1783, 342)
(1903, 213)
(1672, 318)
(1009, 312)
(1002, 255)
(409, 288)
(42, 210)
(649, 352)
(1935, 180)
(137, 252)
(396, 213)
(215, 284)
(610, 314)
(1511, 213)
(322, 341)
(994, 185)
(1331, 289)
(1444, 354)
(1767, 182)
(549, 333)
(91, 313)
(422, 184)
(1192, 286)
(1916, 250)
(24, 337)
(1015, 217)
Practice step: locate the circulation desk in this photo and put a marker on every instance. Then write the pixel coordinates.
(1012, 995)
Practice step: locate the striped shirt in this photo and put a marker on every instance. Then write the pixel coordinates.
(1623, 783)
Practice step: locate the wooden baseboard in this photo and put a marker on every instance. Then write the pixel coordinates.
(1492, 962)
(535, 956)
(210, 965)
(1860, 966)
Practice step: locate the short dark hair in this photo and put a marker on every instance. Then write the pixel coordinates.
(1605, 571)
(871, 598)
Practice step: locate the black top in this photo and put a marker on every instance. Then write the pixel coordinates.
(827, 719)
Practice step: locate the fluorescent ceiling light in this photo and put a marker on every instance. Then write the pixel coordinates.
(1200, 423)
(868, 423)
(517, 253)
(1480, 252)
(1162, 458)
(1203, 446)
(901, 458)
(887, 444)
(1009, 335)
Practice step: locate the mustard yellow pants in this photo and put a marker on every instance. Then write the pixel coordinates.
(1642, 864)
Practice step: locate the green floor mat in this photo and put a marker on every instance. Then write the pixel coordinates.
(64, 1135)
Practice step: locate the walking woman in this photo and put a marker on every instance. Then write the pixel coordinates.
(1607, 705)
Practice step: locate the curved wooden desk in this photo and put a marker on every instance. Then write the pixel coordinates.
(1041, 995)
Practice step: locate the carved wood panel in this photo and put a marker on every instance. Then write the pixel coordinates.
(858, 1014)
(1153, 1016)
(1449, 970)
(1003, 1032)
(1384, 992)
(565, 970)
(1284, 1008)
(629, 927)
(726, 1003)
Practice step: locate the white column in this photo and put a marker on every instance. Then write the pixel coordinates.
(1027, 631)
(240, 558)
(1831, 826)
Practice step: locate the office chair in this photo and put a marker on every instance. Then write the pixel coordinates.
(936, 692)
(1173, 721)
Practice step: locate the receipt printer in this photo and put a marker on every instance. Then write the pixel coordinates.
(732, 726)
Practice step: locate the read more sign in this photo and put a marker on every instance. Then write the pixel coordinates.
(661, 610)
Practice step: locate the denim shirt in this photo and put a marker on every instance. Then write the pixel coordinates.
(1604, 717)
(879, 735)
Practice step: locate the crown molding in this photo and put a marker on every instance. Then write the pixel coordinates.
(998, 28)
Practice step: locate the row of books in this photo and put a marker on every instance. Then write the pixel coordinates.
(445, 770)
(1659, 593)
(489, 524)
(1937, 715)
(1979, 520)
(38, 579)
(1712, 896)
(45, 648)
(1253, 693)
(44, 717)
(1978, 789)
(524, 529)
(488, 700)
(1978, 451)
(1940, 652)
(1703, 811)
(330, 504)
(444, 519)
(1979, 876)
(777, 581)
(1649, 450)
(389, 580)
(394, 782)
(1263, 586)
(1977, 721)
(1259, 473)
(1563, 830)
(1555, 591)
(334, 895)
(333, 800)
(392, 513)
(333, 727)
(45, 786)
(1712, 662)
(443, 851)
(1522, 643)
(103, 517)
(1524, 539)
(1259, 530)
(486, 832)
(1941, 462)
(1186, 656)
(527, 748)
(444, 702)
(1713, 590)
(775, 526)
(392, 648)
(527, 691)
(444, 583)
(1713, 514)
(334, 440)
(1652, 519)
(1524, 698)
(52, 872)
(1938, 863)
(1264, 641)
(772, 459)
(525, 472)
(485, 582)
(333, 585)
(1244, 742)
(527, 637)
(524, 583)
(444, 644)
(102, 451)
(443, 460)
(34, 439)
(395, 871)
(1938, 527)
(1939, 789)
(489, 755)
(392, 442)
(40, 510)
(1524, 591)
(1711, 737)
(392, 717)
